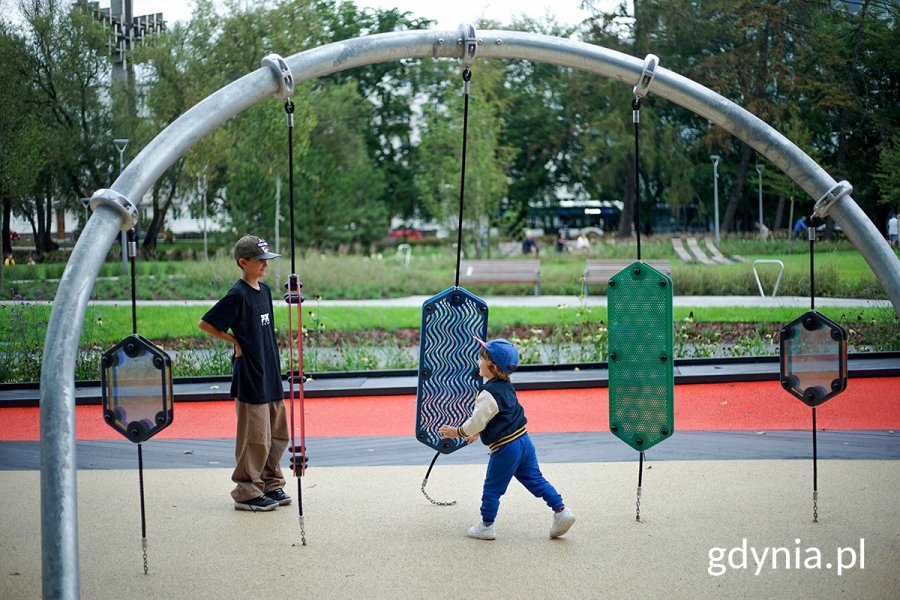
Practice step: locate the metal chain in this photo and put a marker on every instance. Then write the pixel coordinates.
(144, 547)
(637, 505)
(302, 532)
(815, 507)
(433, 501)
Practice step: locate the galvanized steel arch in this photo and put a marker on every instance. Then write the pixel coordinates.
(114, 210)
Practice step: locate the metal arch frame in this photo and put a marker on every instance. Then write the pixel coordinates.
(59, 519)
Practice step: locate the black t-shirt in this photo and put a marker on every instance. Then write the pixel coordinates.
(249, 314)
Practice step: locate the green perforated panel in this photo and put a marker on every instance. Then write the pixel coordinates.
(641, 371)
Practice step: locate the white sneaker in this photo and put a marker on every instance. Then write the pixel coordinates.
(480, 531)
(562, 521)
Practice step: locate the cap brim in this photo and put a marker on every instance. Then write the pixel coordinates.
(266, 256)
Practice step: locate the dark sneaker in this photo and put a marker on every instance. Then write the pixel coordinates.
(279, 496)
(261, 504)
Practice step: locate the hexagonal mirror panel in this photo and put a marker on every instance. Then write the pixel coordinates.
(136, 379)
(813, 358)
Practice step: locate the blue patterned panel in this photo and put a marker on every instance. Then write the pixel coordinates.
(448, 364)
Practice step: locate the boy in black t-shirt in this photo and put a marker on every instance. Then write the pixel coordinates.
(262, 429)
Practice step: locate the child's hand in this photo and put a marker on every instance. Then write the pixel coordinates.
(471, 439)
(447, 431)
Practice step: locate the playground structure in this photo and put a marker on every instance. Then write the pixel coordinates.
(116, 208)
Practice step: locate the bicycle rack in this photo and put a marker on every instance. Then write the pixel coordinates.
(768, 261)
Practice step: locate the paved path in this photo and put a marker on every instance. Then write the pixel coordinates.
(708, 529)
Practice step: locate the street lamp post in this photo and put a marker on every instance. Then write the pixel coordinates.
(715, 162)
(121, 144)
(759, 169)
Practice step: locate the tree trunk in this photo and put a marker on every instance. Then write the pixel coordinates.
(626, 219)
(47, 239)
(158, 219)
(779, 214)
(737, 192)
(37, 230)
(7, 214)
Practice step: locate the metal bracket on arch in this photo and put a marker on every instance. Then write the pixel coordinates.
(469, 42)
(283, 72)
(840, 189)
(642, 87)
(127, 209)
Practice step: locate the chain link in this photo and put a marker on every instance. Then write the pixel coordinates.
(637, 505)
(815, 507)
(302, 532)
(144, 547)
(433, 501)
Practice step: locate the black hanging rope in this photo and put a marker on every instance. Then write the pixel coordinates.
(467, 76)
(812, 306)
(143, 513)
(636, 119)
(132, 252)
(293, 296)
(289, 110)
(637, 512)
(132, 255)
(812, 272)
(815, 470)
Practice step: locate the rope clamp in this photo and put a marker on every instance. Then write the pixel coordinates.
(469, 42)
(127, 209)
(282, 72)
(840, 190)
(642, 87)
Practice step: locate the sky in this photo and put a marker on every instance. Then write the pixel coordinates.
(448, 14)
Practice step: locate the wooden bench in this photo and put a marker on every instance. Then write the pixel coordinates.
(501, 271)
(599, 271)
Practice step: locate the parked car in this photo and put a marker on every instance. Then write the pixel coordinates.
(406, 234)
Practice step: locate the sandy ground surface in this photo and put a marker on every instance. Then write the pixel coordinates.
(372, 534)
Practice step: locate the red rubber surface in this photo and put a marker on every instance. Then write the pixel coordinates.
(870, 403)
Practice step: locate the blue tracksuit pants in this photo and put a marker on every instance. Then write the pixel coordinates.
(515, 459)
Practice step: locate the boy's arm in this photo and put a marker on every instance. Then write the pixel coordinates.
(485, 409)
(222, 335)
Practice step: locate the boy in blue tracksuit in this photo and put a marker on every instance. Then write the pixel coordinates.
(500, 421)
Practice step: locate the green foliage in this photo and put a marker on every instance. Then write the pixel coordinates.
(887, 175)
(440, 153)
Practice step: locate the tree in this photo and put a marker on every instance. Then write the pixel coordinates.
(440, 153)
(65, 65)
(21, 133)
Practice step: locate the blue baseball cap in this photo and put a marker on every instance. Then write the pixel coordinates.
(502, 353)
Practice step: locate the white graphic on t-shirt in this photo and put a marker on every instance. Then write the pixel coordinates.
(264, 318)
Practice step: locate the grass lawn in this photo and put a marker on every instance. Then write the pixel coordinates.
(106, 325)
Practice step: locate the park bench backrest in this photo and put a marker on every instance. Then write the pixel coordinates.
(598, 271)
(501, 271)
